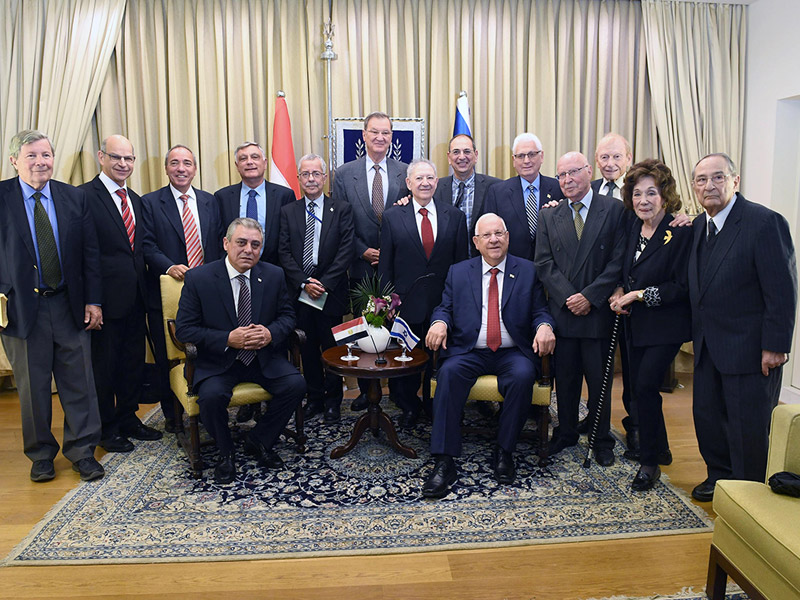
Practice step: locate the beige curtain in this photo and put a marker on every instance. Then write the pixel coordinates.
(55, 58)
(696, 64)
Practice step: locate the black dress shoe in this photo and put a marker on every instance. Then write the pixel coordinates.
(267, 458)
(644, 480)
(557, 444)
(140, 431)
(313, 409)
(504, 470)
(332, 415)
(665, 457)
(604, 456)
(225, 469)
(116, 443)
(360, 403)
(583, 425)
(443, 476)
(89, 468)
(42, 470)
(704, 492)
(245, 413)
(409, 419)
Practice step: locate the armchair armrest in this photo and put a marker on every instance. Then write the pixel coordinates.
(297, 337)
(190, 350)
(784, 440)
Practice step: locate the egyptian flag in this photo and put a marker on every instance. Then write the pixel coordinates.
(350, 331)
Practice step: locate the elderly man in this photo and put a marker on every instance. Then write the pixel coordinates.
(315, 249)
(255, 198)
(50, 272)
(239, 314)
(579, 251)
(493, 319)
(182, 230)
(519, 199)
(613, 157)
(743, 291)
(419, 242)
(465, 188)
(370, 184)
(118, 348)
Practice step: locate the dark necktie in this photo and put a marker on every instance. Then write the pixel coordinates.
(308, 244)
(127, 216)
(610, 187)
(245, 316)
(493, 338)
(530, 210)
(712, 229)
(460, 196)
(194, 251)
(46, 241)
(427, 232)
(252, 207)
(377, 193)
(577, 206)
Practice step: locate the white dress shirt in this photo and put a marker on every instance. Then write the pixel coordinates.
(112, 188)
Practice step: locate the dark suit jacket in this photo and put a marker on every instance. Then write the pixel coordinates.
(277, 197)
(122, 268)
(403, 259)
(334, 255)
(592, 266)
(164, 240)
(350, 185)
(207, 314)
(523, 306)
(80, 257)
(505, 199)
(444, 193)
(745, 300)
(664, 265)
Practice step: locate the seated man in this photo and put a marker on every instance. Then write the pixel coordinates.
(483, 340)
(238, 313)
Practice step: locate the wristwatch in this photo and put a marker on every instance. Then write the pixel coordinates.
(640, 295)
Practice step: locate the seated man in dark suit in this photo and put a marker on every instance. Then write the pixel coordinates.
(484, 339)
(239, 314)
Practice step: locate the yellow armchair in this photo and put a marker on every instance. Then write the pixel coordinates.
(756, 537)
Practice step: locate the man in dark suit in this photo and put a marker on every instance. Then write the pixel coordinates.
(255, 198)
(421, 238)
(743, 291)
(613, 157)
(182, 230)
(579, 251)
(239, 314)
(50, 273)
(370, 184)
(315, 249)
(519, 199)
(118, 348)
(465, 188)
(493, 319)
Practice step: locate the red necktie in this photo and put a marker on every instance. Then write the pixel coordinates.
(493, 316)
(427, 232)
(194, 251)
(127, 217)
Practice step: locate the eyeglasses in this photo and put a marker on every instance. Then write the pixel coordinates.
(459, 152)
(384, 133)
(571, 173)
(116, 158)
(528, 155)
(716, 178)
(487, 236)
(310, 174)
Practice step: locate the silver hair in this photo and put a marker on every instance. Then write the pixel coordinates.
(246, 223)
(175, 147)
(728, 160)
(526, 137)
(417, 162)
(312, 156)
(489, 215)
(27, 136)
(245, 145)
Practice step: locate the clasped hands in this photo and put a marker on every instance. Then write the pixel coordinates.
(252, 337)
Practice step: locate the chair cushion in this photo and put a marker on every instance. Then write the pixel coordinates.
(758, 531)
(485, 389)
(243, 393)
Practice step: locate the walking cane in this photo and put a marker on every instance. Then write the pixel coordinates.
(605, 390)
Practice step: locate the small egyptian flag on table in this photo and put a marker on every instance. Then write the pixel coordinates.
(350, 331)
(402, 331)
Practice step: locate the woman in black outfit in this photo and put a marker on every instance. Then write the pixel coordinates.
(654, 294)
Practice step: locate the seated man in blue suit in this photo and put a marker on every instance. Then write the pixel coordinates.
(497, 325)
(239, 314)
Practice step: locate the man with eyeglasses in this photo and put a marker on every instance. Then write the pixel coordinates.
(118, 347)
(493, 319)
(743, 292)
(518, 200)
(370, 184)
(315, 250)
(579, 253)
(465, 188)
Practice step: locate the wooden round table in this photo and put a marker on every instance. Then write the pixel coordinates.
(374, 419)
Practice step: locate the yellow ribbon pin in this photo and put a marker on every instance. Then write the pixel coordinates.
(667, 237)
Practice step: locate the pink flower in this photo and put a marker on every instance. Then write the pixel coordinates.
(395, 301)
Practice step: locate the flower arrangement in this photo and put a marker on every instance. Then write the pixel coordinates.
(376, 303)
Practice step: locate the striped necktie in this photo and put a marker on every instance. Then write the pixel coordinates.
(530, 210)
(308, 244)
(194, 251)
(127, 216)
(245, 316)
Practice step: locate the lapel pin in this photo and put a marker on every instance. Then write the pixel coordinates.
(259, 279)
(667, 237)
(331, 209)
(511, 275)
(548, 196)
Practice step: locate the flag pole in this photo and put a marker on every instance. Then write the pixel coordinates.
(329, 55)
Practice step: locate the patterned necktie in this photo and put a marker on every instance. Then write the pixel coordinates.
(493, 315)
(427, 233)
(252, 207)
(460, 196)
(46, 241)
(245, 316)
(530, 210)
(577, 206)
(712, 229)
(194, 251)
(308, 244)
(377, 193)
(127, 216)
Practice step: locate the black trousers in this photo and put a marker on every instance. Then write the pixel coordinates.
(322, 387)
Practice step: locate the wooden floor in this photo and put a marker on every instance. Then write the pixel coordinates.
(634, 567)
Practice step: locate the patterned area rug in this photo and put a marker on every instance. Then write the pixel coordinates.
(733, 592)
(148, 508)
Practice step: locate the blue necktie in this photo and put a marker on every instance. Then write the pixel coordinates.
(252, 207)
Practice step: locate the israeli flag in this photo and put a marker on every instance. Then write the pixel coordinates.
(402, 331)
(462, 124)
